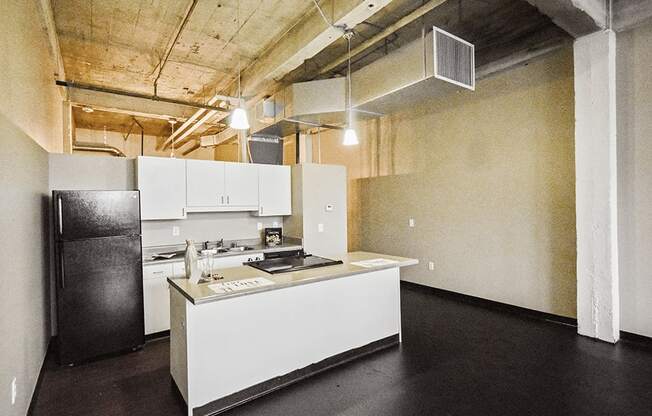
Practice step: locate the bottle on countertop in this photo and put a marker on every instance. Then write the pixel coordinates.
(192, 268)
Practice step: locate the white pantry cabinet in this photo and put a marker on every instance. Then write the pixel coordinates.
(162, 185)
(274, 190)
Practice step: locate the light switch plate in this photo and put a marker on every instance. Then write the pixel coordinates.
(320, 228)
(411, 222)
(431, 265)
(175, 231)
(259, 226)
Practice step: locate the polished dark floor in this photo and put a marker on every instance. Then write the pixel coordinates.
(456, 359)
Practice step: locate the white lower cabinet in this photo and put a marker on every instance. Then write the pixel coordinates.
(156, 289)
(156, 297)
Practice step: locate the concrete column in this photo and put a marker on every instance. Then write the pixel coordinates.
(598, 309)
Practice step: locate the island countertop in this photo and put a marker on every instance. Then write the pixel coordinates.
(201, 293)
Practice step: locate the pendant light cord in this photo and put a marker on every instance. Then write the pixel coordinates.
(238, 52)
(348, 35)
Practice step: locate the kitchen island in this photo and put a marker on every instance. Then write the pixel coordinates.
(253, 332)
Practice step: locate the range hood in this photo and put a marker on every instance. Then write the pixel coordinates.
(425, 68)
(428, 67)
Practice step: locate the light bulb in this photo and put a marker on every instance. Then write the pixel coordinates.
(350, 137)
(239, 119)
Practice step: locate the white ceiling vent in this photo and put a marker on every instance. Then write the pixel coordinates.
(420, 70)
(454, 59)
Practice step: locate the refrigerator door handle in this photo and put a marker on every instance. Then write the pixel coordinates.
(60, 216)
(63, 272)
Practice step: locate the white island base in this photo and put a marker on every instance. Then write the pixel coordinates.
(229, 350)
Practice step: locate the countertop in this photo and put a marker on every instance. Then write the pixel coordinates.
(257, 248)
(201, 293)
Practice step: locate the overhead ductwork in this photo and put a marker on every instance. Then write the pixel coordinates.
(425, 68)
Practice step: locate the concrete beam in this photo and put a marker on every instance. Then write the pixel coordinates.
(305, 40)
(598, 309)
(628, 14)
(577, 17)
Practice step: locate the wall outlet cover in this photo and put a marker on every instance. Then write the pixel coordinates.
(259, 226)
(320, 228)
(175, 231)
(411, 222)
(431, 265)
(275, 224)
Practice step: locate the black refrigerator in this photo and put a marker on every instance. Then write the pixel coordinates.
(99, 273)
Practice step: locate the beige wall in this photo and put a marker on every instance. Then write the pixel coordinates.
(634, 82)
(488, 177)
(30, 121)
(29, 97)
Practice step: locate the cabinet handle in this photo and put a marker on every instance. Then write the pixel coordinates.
(261, 210)
(227, 200)
(222, 199)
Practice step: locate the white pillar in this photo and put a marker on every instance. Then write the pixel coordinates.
(598, 310)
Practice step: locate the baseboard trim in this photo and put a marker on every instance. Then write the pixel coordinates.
(157, 335)
(39, 379)
(229, 402)
(637, 339)
(491, 304)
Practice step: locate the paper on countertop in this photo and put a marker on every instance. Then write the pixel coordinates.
(373, 263)
(237, 285)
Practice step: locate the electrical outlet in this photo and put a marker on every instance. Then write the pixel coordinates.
(175, 231)
(431, 265)
(320, 228)
(259, 226)
(14, 391)
(275, 224)
(411, 222)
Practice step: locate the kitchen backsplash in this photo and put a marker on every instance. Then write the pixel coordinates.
(207, 226)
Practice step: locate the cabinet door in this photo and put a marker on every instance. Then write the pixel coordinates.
(274, 190)
(156, 297)
(162, 185)
(204, 184)
(241, 181)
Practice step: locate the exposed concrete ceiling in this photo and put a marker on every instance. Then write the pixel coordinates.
(120, 43)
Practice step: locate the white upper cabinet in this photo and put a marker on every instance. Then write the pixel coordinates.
(204, 185)
(241, 186)
(162, 185)
(274, 190)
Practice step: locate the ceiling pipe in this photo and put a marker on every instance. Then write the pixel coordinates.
(139, 95)
(97, 147)
(171, 45)
(189, 130)
(400, 23)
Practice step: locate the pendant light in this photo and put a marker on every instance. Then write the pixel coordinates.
(239, 120)
(350, 136)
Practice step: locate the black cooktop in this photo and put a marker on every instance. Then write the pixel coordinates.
(292, 263)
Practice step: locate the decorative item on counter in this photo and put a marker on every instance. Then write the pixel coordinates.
(192, 268)
(273, 237)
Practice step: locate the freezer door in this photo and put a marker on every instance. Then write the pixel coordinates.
(93, 214)
(99, 297)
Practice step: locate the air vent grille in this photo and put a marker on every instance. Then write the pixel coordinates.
(454, 58)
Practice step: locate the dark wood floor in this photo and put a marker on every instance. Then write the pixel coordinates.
(456, 359)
